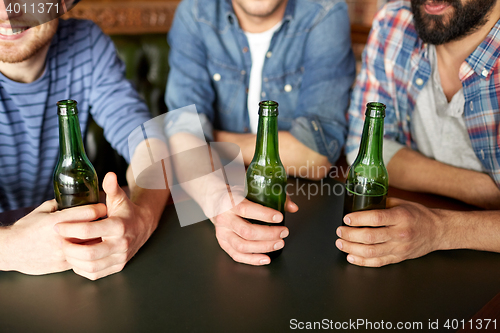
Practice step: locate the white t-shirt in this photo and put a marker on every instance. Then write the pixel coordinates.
(259, 45)
(437, 126)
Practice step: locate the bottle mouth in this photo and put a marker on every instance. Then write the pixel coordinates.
(375, 110)
(67, 106)
(268, 108)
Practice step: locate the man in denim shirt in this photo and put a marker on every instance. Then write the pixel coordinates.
(308, 69)
(226, 54)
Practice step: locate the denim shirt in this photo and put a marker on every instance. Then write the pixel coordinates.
(309, 70)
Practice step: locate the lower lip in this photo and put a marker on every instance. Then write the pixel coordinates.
(13, 37)
(436, 9)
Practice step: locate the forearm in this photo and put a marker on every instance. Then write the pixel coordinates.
(151, 200)
(410, 170)
(477, 230)
(298, 159)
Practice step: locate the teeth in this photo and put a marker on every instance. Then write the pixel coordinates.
(10, 32)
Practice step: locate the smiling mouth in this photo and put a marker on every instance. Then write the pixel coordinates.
(12, 31)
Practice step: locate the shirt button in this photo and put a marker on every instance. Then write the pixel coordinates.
(484, 72)
(288, 88)
(263, 94)
(245, 49)
(408, 117)
(269, 54)
(246, 90)
(471, 105)
(243, 72)
(419, 81)
(266, 79)
(245, 129)
(217, 77)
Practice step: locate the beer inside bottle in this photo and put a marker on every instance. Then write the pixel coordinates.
(75, 179)
(266, 177)
(367, 180)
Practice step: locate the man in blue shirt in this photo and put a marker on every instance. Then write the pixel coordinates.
(38, 66)
(226, 56)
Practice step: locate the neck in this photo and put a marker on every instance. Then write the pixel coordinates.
(455, 52)
(370, 149)
(256, 23)
(70, 137)
(267, 148)
(28, 70)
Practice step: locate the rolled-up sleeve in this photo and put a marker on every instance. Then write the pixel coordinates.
(189, 81)
(329, 71)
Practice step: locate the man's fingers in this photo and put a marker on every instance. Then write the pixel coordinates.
(290, 206)
(364, 235)
(114, 193)
(88, 230)
(371, 262)
(369, 218)
(255, 259)
(81, 213)
(392, 202)
(94, 276)
(97, 266)
(252, 210)
(255, 232)
(363, 250)
(86, 252)
(245, 246)
(48, 206)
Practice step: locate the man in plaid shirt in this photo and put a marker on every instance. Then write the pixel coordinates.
(435, 64)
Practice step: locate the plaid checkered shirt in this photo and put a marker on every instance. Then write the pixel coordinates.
(395, 69)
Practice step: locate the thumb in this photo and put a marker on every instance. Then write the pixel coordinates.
(114, 193)
(393, 202)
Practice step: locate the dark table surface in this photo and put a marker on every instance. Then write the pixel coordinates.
(181, 281)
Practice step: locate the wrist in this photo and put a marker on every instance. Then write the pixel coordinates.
(4, 245)
(444, 233)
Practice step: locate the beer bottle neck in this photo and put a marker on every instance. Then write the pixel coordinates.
(70, 137)
(370, 149)
(267, 147)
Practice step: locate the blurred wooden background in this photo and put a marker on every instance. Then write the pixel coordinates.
(122, 17)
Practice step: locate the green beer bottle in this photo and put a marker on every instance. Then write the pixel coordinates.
(266, 176)
(75, 179)
(367, 181)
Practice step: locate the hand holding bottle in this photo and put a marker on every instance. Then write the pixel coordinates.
(31, 245)
(123, 232)
(246, 242)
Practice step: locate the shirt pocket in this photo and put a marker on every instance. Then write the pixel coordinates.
(227, 82)
(284, 88)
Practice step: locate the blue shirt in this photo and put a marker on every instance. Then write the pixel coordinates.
(81, 64)
(396, 67)
(310, 53)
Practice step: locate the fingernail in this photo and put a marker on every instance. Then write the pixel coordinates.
(265, 261)
(339, 244)
(284, 233)
(347, 220)
(56, 228)
(350, 258)
(279, 245)
(339, 232)
(277, 218)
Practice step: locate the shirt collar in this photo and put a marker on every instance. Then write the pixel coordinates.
(484, 57)
(231, 16)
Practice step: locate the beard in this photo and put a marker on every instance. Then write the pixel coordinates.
(27, 47)
(263, 8)
(463, 21)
